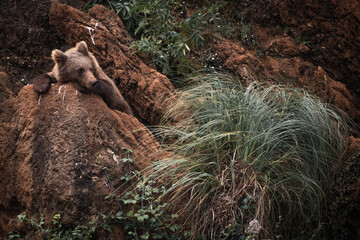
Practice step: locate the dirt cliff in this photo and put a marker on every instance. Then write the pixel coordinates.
(61, 152)
(306, 44)
(55, 148)
(282, 64)
(332, 30)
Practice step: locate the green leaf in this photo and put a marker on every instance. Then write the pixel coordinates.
(125, 160)
(109, 196)
(14, 236)
(120, 215)
(145, 236)
(157, 236)
(21, 216)
(130, 213)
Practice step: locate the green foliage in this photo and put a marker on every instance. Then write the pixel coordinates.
(123, 8)
(145, 215)
(275, 146)
(168, 39)
(57, 231)
(13, 235)
(163, 34)
(246, 35)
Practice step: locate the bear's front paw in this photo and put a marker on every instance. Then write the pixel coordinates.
(42, 83)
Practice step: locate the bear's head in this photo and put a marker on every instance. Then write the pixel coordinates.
(76, 65)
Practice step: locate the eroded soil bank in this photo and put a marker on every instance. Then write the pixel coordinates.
(54, 147)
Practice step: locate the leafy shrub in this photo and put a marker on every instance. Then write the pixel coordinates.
(57, 231)
(144, 215)
(246, 35)
(123, 8)
(164, 35)
(243, 156)
(167, 38)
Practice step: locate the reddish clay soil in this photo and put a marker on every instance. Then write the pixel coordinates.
(53, 147)
(26, 40)
(330, 31)
(308, 44)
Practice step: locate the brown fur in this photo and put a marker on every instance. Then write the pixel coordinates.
(79, 66)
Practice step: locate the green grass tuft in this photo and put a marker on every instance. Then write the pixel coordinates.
(263, 153)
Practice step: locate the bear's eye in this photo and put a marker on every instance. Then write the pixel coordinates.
(80, 71)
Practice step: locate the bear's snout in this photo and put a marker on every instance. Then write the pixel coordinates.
(88, 80)
(95, 86)
(95, 83)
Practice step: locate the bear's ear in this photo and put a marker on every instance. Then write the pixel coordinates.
(82, 47)
(58, 56)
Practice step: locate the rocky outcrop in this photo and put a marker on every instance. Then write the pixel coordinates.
(147, 91)
(332, 30)
(310, 44)
(282, 63)
(60, 150)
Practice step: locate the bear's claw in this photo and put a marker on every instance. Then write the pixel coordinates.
(42, 83)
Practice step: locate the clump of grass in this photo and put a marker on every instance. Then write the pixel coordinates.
(260, 153)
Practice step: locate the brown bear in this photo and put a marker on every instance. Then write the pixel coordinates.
(79, 66)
